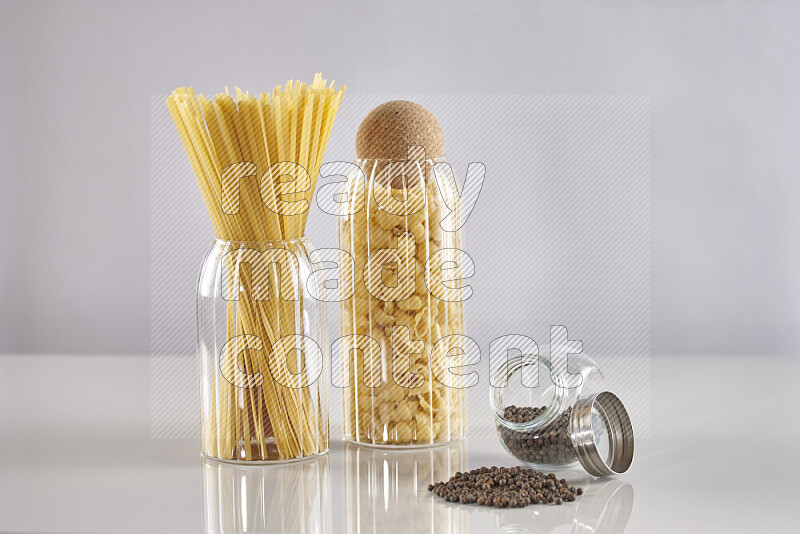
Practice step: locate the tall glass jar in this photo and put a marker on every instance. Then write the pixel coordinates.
(261, 342)
(394, 393)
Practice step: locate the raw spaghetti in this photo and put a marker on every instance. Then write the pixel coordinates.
(241, 151)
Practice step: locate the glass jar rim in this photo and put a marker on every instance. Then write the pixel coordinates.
(437, 159)
(554, 407)
(243, 243)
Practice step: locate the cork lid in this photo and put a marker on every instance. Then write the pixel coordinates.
(390, 129)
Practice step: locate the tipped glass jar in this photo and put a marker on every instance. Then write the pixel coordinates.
(549, 418)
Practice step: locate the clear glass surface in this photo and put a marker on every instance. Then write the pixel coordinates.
(386, 490)
(285, 499)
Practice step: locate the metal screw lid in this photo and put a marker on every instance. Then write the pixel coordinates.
(618, 427)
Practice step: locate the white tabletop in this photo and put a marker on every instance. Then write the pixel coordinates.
(76, 456)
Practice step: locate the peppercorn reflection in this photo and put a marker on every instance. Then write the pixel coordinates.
(604, 508)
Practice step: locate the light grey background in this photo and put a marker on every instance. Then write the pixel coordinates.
(78, 78)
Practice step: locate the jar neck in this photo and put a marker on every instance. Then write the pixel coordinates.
(365, 162)
(267, 243)
(236, 251)
(580, 378)
(554, 402)
(399, 174)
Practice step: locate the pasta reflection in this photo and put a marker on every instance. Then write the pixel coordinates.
(289, 498)
(387, 490)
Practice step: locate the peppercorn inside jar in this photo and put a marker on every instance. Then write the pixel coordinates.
(547, 418)
(549, 445)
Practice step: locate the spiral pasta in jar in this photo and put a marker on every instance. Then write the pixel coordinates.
(396, 393)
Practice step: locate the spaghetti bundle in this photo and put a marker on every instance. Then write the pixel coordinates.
(291, 124)
(256, 159)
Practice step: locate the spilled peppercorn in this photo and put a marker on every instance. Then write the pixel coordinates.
(505, 487)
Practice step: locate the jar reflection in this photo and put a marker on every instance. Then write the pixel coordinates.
(289, 498)
(387, 490)
(604, 508)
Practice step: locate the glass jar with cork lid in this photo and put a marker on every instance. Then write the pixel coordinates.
(400, 309)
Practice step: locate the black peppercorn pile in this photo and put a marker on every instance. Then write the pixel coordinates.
(505, 487)
(548, 445)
